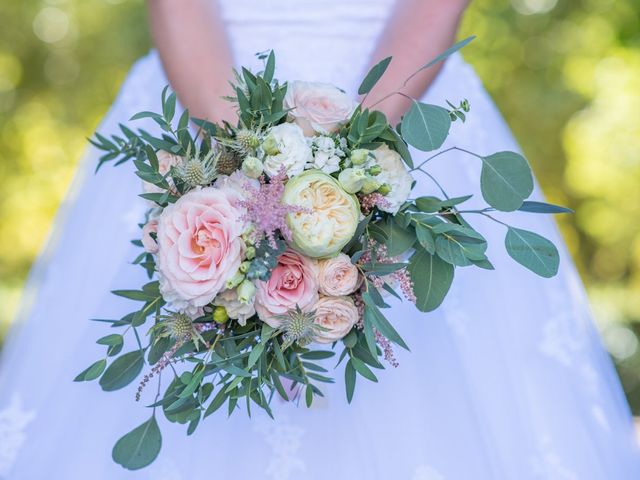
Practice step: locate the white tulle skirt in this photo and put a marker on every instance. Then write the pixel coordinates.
(508, 379)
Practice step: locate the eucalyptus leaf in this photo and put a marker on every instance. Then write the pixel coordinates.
(506, 180)
(139, 447)
(542, 207)
(92, 372)
(425, 126)
(532, 251)
(122, 371)
(449, 51)
(373, 76)
(432, 278)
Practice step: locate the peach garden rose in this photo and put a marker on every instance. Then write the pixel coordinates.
(338, 276)
(337, 316)
(318, 107)
(199, 246)
(292, 283)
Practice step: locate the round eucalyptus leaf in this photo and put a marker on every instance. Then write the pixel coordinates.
(532, 251)
(425, 126)
(122, 371)
(139, 447)
(505, 180)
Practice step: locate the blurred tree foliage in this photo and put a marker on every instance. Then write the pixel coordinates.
(565, 73)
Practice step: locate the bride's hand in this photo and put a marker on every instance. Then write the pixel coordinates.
(418, 31)
(192, 42)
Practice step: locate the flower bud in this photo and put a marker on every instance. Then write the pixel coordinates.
(234, 281)
(247, 235)
(370, 185)
(352, 179)
(374, 170)
(220, 315)
(246, 290)
(270, 145)
(252, 167)
(359, 156)
(384, 189)
(244, 267)
(250, 253)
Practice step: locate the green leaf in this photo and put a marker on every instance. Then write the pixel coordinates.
(398, 240)
(532, 251)
(217, 402)
(449, 51)
(122, 371)
(432, 278)
(113, 339)
(373, 76)
(381, 323)
(255, 354)
(317, 355)
(92, 372)
(506, 180)
(169, 107)
(139, 447)
(308, 396)
(349, 380)
(363, 369)
(434, 204)
(542, 207)
(425, 126)
(269, 68)
(425, 238)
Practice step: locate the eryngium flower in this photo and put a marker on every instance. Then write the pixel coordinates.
(298, 327)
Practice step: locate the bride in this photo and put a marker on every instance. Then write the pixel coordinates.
(508, 379)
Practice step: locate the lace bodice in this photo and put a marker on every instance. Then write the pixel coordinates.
(323, 40)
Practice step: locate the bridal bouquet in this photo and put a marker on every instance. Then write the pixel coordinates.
(275, 243)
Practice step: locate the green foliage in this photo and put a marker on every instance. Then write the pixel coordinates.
(533, 251)
(425, 127)
(506, 180)
(139, 447)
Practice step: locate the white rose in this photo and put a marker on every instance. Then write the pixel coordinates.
(241, 311)
(318, 107)
(337, 315)
(394, 174)
(166, 160)
(293, 150)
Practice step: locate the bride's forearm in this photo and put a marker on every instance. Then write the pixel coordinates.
(418, 31)
(195, 54)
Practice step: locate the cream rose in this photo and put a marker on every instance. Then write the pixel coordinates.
(166, 160)
(318, 107)
(338, 276)
(337, 315)
(292, 283)
(394, 174)
(199, 246)
(236, 309)
(330, 216)
(288, 148)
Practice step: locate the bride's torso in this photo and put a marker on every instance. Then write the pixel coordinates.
(320, 40)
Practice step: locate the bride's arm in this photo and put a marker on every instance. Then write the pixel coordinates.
(418, 31)
(195, 54)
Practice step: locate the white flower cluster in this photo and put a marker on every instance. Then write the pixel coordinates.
(327, 153)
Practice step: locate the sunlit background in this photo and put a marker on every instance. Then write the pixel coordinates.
(565, 73)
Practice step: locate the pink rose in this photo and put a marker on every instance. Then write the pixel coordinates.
(199, 246)
(166, 160)
(293, 282)
(338, 276)
(337, 315)
(149, 244)
(318, 107)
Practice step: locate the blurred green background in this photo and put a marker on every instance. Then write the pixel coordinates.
(565, 73)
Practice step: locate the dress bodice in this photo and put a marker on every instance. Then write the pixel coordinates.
(320, 40)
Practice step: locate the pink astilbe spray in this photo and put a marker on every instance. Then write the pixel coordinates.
(371, 200)
(265, 210)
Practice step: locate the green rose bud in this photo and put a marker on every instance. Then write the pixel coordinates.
(234, 281)
(359, 156)
(370, 185)
(270, 146)
(374, 170)
(352, 179)
(330, 218)
(246, 290)
(244, 267)
(384, 189)
(250, 253)
(220, 315)
(247, 235)
(252, 167)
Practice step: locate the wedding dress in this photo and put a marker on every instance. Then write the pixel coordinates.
(507, 380)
